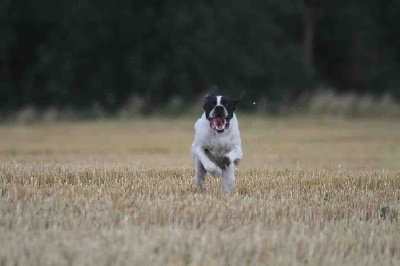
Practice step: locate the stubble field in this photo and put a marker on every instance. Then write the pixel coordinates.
(308, 191)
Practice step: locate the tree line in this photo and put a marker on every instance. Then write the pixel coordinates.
(76, 53)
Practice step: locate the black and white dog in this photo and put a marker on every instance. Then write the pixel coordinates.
(217, 145)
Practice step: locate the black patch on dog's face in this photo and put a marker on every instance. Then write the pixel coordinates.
(211, 102)
(228, 105)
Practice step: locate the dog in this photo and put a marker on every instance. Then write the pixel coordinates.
(217, 146)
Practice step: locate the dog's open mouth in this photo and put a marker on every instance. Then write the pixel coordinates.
(218, 123)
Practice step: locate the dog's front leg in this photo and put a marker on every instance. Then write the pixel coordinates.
(200, 176)
(234, 156)
(228, 179)
(210, 167)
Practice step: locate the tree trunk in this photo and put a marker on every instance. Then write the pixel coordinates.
(308, 35)
(311, 16)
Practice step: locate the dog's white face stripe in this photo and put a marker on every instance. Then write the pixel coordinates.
(219, 100)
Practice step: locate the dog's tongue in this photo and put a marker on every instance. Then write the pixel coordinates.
(218, 123)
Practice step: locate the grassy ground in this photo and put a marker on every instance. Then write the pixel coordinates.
(308, 191)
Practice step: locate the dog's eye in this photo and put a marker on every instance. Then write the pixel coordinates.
(214, 102)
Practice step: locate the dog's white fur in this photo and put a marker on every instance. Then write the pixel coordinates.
(211, 148)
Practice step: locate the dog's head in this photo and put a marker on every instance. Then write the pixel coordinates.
(219, 109)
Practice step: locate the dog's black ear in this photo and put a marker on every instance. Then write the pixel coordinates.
(237, 100)
(212, 91)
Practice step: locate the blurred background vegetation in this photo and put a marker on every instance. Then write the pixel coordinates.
(124, 57)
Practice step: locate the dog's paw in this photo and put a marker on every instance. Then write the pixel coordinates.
(203, 189)
(237, 161)
(226, 161)
(215, 171)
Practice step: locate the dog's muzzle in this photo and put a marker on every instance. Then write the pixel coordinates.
(219, 122)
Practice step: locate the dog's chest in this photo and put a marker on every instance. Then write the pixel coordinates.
(218, 145)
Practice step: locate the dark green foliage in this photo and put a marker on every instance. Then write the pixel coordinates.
(83, 53)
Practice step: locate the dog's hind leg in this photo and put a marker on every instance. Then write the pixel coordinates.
(228, 179)
(200, 175)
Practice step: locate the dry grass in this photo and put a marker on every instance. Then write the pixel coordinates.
(326, 102)
(320, 192)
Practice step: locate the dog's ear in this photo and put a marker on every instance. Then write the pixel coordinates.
(237, 100)
(212, 91)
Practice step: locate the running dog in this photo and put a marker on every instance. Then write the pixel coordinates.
(217, 146)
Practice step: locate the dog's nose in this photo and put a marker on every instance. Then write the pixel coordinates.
(219, 108)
